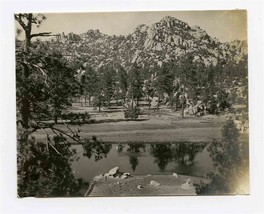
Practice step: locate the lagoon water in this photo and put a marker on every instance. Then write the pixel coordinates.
(141, 159)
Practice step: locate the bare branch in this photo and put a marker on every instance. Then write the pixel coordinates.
(54, 148)
(43, 73)
(65, 133)
(41, 34)
(48, 141)
(20, 21)
(65, 143)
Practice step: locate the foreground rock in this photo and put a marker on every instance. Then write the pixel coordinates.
(187, 185)
(154, 183)
(148, 185)
(113, 173)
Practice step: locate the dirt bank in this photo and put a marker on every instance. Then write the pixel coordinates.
(169, 185)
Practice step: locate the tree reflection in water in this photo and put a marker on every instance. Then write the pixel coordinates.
(182, 153)
(133, 160)
(162, 153)
(96, 148)
(135, 148)
(119, 147)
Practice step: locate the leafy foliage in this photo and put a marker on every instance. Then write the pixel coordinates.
(88, 83)
(228, 161)
(96, 148)
(135, 83)
(132, 112)
(44, 169)
(122, 77)
(76, 118)
(45, 85)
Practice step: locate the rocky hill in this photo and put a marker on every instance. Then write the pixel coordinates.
(169, 39)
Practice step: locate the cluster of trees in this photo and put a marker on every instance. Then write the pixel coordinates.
(230, 158)
(45, 85)
(173, 83)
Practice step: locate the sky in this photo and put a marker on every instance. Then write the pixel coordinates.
(226, 25)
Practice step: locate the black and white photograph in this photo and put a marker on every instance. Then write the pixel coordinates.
(124, 104)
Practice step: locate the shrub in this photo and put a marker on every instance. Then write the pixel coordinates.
(45, 170)
(132, 112)
(229, 164)
(76, 117)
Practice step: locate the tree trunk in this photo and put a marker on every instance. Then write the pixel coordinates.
(117, 101)
(183, 102)
(171, 101)
(176, 103)
(25, 107)
(56, 118)
(56, 107)
(132, 105)
(27, 42)
(148, 102)
(158, 102)
(25, 112)
(85, 101)
(182, 107)
(89, 100)
(99, 104)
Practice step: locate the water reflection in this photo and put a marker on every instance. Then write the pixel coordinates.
(184, 153)
(133, 160)
(119, 147)
(135, 147)
(137, 158)
(96, 148)
(162, 154)
(180, 153)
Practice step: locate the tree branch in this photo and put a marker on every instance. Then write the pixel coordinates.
(19, 19)
(66, 134)
(41, 34)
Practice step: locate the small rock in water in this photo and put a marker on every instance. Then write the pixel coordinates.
(148, 175)
(126, 173)
(140, 187)
(114, 170)
(98, 177)
(123, 176)
(154, 183)
(175, 175)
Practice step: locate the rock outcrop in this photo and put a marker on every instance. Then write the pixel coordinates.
(169, 39)
(113, 173)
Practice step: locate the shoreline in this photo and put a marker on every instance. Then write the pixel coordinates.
(158, 130)
(168, 185)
